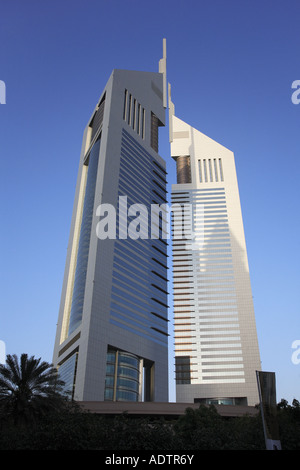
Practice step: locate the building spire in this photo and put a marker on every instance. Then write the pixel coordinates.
(171, 113)
(163, 69)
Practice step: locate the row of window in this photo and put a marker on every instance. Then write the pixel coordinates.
(198, 190)
(139, 292)
(177, 253)
(225, 241)
(210, 170)
(208, 326)
(218, 199)
(135, 270)
(134, 114)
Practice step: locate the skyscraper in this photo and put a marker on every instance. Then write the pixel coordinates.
(112, 334)
(216, 347)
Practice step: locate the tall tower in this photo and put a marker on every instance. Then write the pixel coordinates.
(216, 347)
(112, 335)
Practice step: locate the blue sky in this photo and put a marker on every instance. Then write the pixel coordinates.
(231, 65)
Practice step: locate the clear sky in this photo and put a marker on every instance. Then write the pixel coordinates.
(231, 65)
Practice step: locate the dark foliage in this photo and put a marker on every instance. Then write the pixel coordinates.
(35, 415)
(289, 424)
(29, 388)
(200, 429)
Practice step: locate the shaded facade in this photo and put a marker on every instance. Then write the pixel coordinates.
(112, 332)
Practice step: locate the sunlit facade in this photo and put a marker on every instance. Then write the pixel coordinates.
(216, 347)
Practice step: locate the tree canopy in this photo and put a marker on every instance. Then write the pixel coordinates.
(29, 388)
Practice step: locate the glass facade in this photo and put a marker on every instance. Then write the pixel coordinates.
(67, 373)
(84, 240)
(122, 381)
(183, 369)
(222, 401)
(139, 290)
(115, 289)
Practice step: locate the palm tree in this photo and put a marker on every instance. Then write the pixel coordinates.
(29, 388)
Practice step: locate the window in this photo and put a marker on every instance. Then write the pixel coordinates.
(143, 123)
(134, 115)
(122, 380)
(200, 171)
(154, 132)
(221, 169)
(125, 105)
(129, 110)
(205, 171)
(216, 170)
(183, 369)
(210, 171)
